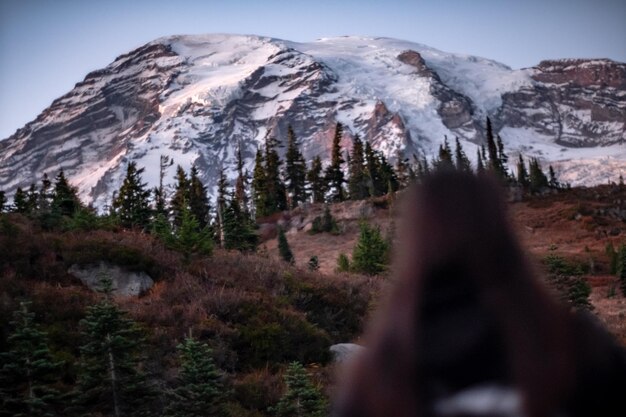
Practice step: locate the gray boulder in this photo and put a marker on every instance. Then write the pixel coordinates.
(125, 283)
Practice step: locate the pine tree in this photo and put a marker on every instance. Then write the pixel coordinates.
(190, 238)
(403, 171)
(343, 263)
(109, 377)
(160, 196)
(283, 247)
(198, 200)
(64, 197)
(357, 175)
(132, 202)
(20, 202)
(238, 228)
(222, 200)
(200, 391)
(522, 174)
(3, 202)
(537, 178)
(302, 398)
(276, 192)
(503, 158)
(35, 202)
(334, 173)
(444, 158)
(295, 171)
(480, 166)
(241, 185)
(316, 181)
(259, 186)
(552, 181)
(374, 180)
(371, 253)
(42, 200)
(495, 156)
(462, 162)
(28, 371)
(180, 199)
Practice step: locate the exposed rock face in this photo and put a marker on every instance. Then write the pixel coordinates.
(579, 103)
(198, 98)
(125, 283)
(345, 351)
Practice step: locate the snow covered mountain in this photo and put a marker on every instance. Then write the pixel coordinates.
(197, 98)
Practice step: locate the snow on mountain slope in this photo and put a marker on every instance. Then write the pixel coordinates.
(198, 98)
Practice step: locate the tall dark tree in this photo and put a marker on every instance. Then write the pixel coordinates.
(295, 171)
(198, 200)
(241, 185)
(131, 204)
(180, 198)
(64, 197)
(357, 179)
(27, 370)
(283, 247)
(189, 238)
(552, 181)
(238, 227)
(371, 254)
(522, 173)
(334, 172)
(160, 195)
(3, 201)
(537, 178)
(259, 186)
(109, 377)
(20, 201)
(403, 171)
(42, 200)
(494, 154)
(461, 161)
(200, 391)
(276, 192)
(221, 204)
(375, 183)
(480, 166)
(621, 268)
(444, 156)
(35, 201)
(316, 180)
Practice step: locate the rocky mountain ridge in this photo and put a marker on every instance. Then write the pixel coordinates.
(199, 98)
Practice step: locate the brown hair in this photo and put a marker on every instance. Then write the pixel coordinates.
(466, 308)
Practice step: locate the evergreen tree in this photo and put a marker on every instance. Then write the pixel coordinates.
(276, 192)
(222, 199)
(357, 179)
(64, 197)
(295, 171)
(200, 391)
(20, 202)
(371, 253)
(375, 183)
(241, 185)
(316, 180)
(462, 162)
(522, 174)
(43, 199)
(503, 158)
(35, 202)
(259, 186)
(238, 228)
(180, 199)
(27, 371)
(132, 202)
(160, 196)
(444, 159)
(302, 398)
(389, 181)
(334, 173)
(3, 202)
(198, 200)
(343, 263)
(480, 166)
(537, 178)
(314, 263)
(109, 376)
(283, 247)
(552, 181)
(495, 156)
(190, 238)
(403, 171)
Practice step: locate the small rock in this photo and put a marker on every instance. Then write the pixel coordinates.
(344, 351)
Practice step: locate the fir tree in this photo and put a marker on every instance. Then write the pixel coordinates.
(283, 247)
(494, 153)
(28, 371)
(241, 185)
(180, 199)
(334, 172)
(295, 171)
(109, 376)
(42, 200)
(238, 228)
(503, 158)
(357, 175)
(522, 174)
(371, 253)
(200, 391)
(222, 199)
(160, 196)
(552, 181)
(132, 202)
(259, 186)
(480, 166)
(35, 201)
(462, 162)
(343, 263)
(404, 174)
(302, 398)
(20, 202)
(3, 202)
(316, 180)
(190, 238)
(198, 200)
(276, 192)
(64, 197)
(374, 180)
(444, 158)
(536, 177)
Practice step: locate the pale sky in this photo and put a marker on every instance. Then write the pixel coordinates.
(47, 46)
